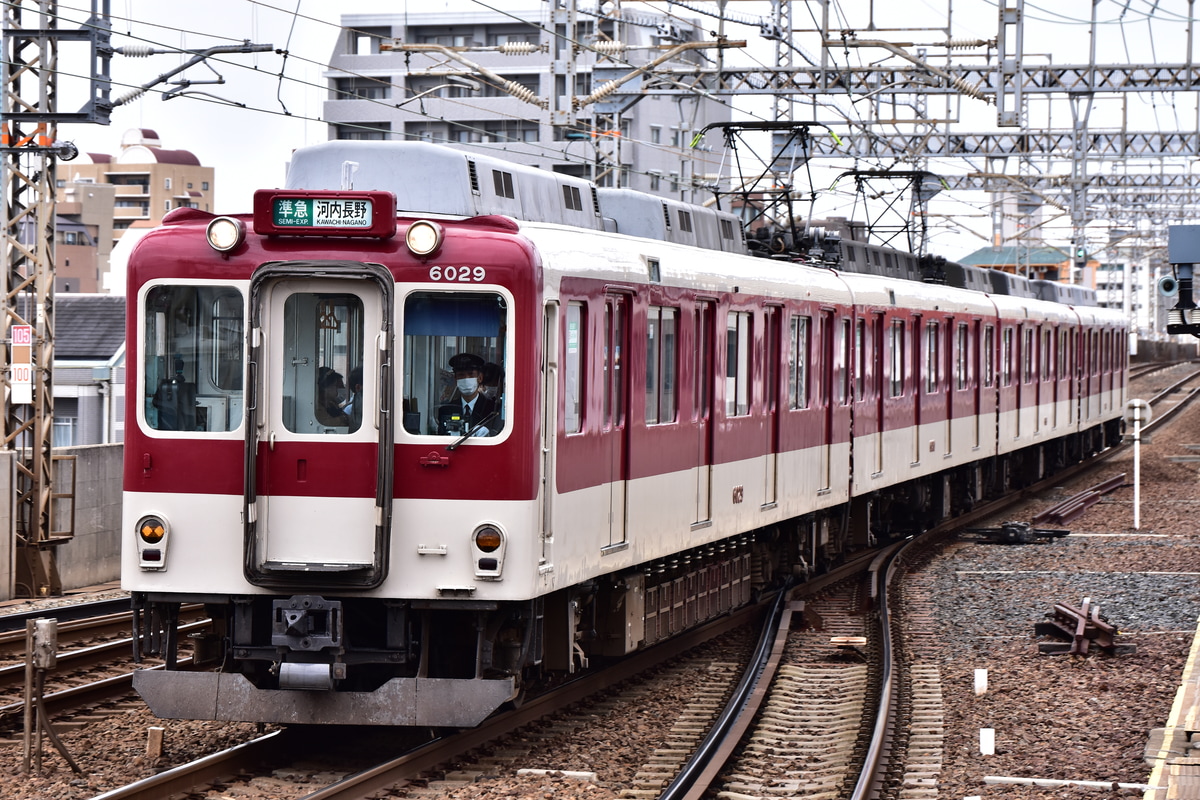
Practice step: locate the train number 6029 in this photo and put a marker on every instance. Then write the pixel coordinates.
(475, 274)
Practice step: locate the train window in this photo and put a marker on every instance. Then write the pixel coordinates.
(573, 369)
(989, 363)
(1026, 355)
(661, 360)
(454, 363)
(896, 349)
(615, 313)
(798, 363)
(704, 318)
(1006, 357)
(227, 341)
(860, 368)
(1047, 354)
(961, 353)
(685, 221)
(503, 184)
(192, 358)
(932, 361)
(572, 199)
(737, 366)
(844, 366)
(323, 346)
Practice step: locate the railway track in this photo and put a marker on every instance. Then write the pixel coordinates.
(834, 707)
(912, 762)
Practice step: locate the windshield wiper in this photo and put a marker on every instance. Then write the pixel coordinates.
(482, 423)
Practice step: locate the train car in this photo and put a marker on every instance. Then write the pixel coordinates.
(419, 444)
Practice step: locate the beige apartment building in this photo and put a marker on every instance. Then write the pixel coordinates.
(100, 196)
(150, 180)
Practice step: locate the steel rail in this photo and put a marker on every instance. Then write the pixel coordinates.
(88, 656)
(693, 779)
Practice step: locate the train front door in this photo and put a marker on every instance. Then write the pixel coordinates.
(319, 434)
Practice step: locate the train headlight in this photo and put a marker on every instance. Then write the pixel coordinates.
(423, 237)
(225, 234)
(152, 534)
(489, 543)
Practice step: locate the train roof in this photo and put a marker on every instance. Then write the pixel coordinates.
(436, 179)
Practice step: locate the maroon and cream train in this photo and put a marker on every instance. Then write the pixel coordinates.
(679, 424)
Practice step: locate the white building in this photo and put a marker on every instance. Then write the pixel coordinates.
(476, 95)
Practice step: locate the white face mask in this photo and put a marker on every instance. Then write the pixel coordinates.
(490, 392)
(468, 385)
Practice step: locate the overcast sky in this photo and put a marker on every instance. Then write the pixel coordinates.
(249, 146)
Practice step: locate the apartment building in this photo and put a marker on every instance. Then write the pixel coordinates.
(150, 179)
(503, 78)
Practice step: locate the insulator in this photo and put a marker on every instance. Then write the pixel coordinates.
(520, 92)
(604, 91)
(518, 48)
(129, 97)
(967, 89)
(608, 48)
(136, 50)
(963, 44)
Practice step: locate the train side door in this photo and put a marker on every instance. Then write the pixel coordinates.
(705, 315)
(774, 335)
(319, 441)
(615, 418)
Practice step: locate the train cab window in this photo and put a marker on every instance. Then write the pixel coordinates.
(798, 363)
(323, 358)
(455, 363)
(738, 337)
(192, 358)
(661, 360)
(574, 369)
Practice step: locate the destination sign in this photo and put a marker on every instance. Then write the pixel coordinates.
(318, 212)
(325, 212)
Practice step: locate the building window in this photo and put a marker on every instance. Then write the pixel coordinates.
(361, 89)
(655, 181)
(166, 183)
(204, 186)
(366, 41)
(64, 430)
(373, 131)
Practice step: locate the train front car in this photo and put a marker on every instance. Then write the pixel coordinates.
(332, 444)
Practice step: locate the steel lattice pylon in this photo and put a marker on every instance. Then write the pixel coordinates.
(30, 58)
